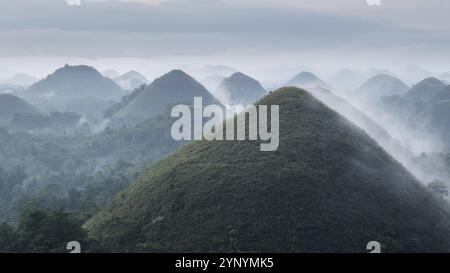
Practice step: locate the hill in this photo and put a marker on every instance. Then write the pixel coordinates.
(379, 86)
(361, 120)
(423, 90)
(374, 71)
(110, 73)
(441, 95)
(435, 119)
(445, 77)
(20, 79)
(307, 80)
(11, 89)
(240, 89)
(71, 82)
(11, 105)
(328, 188)
(175, 87)
(211, 82)
(131, 80)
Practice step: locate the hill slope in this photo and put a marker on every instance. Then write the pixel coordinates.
(381, 85)
(435, 119)
(71, 82)
(441, 95)
(307, 80)
(424, 90)
(328, 188)
(20, 79)
(361, 120)
(11, 105)
(174, 87)
(240, 89)
(131, 80)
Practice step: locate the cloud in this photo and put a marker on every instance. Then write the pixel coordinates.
(73, 2)
(374, 2)
(108, 29)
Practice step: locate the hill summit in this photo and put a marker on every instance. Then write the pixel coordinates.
(381, 85)
(71, 82)
(424, 90)
(131, 80)
(175, 87)
(328, 188)
(307, 80)
(240, 89)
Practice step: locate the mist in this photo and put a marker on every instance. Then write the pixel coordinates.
(361, 125)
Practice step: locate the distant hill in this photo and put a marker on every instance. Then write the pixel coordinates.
(307, 80)
(211, 82)
(10, 105)
(441, 95)
(131, 80)
(445, 77)
(435, 119)
(222, 70)
(372, 72)
(20, 79)
(240, 89)
(379, 86)
(175, 87)
(11, 89)
(433, 115)
(71, 82)
(110, 73)
(424, 108)
(361, 120)
(413, 74)
(328, 188)
(347, 80)
(424, 90)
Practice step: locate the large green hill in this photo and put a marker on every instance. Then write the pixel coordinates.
(328, 188)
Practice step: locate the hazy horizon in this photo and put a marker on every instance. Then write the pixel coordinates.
(262, 38)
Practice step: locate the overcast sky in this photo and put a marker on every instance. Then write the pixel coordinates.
(152, 35)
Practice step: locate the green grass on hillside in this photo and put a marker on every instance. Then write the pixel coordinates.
(328, 188)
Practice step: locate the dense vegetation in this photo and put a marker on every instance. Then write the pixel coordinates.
(328, 188)
(65, 159)
(44, 231)
(54, 165)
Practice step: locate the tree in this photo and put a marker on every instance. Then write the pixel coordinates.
(439, 188)
(8, 238)
(48, 231)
